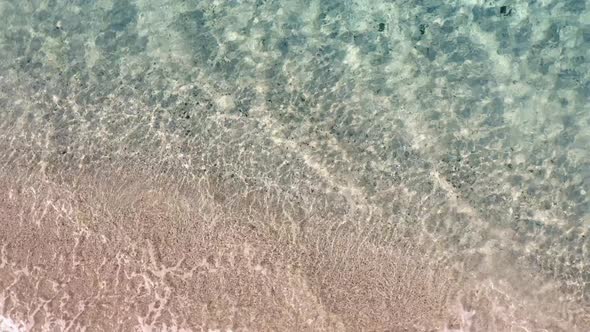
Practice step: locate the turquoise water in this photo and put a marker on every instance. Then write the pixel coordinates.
(466, 124)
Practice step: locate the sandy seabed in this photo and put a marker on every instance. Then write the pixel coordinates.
(118, 251)
(294, 165)
(133, 250)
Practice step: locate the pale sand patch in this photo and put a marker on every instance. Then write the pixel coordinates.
(8, 325)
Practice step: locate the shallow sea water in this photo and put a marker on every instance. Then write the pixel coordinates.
(397, 138)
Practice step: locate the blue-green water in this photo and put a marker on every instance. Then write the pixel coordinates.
(466, 123)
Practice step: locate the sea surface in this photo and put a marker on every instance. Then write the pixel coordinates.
(305, 165)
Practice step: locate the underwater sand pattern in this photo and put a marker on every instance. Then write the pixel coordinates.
(294, 165)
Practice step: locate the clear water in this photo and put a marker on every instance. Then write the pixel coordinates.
(458, 129)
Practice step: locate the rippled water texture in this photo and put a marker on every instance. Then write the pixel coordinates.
(361, 165)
